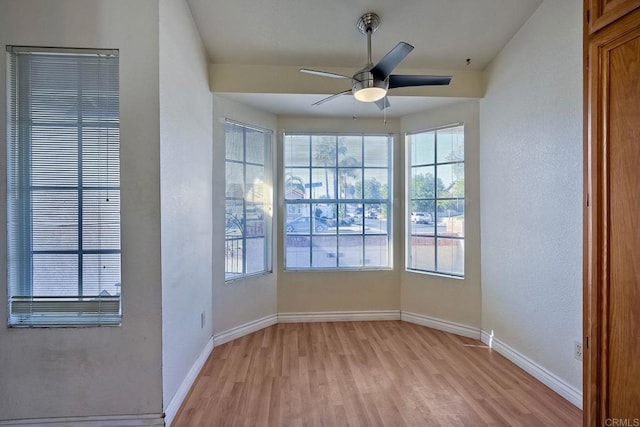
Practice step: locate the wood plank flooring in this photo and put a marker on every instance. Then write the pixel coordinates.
(386, 373)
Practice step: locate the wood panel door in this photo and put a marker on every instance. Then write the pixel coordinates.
(612, 224)
(604, 12)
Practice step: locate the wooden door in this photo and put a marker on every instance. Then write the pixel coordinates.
(604, 12)
(612, 224)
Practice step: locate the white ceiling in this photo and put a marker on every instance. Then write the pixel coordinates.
(323, 33)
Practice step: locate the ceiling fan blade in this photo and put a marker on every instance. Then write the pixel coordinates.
(383, 103)
(324, 73)
(400, 80)
(329, 98)
(391, 60)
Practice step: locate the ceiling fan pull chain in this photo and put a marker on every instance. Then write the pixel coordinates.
(384, 116)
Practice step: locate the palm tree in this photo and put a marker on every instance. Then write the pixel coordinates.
(326, 154)
(348, 165)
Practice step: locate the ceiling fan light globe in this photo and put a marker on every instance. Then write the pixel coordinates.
(370, 94)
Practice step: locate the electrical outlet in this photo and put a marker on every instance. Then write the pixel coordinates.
(577, 350)
(202, 321)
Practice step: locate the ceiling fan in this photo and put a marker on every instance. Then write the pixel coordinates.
(371, 83)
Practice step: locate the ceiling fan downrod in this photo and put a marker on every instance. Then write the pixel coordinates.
(368, 24)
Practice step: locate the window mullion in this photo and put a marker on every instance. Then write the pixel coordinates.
(435, 199)
(79, 107)
(311, 236)
(266, 227)
(336, 194)
(336, 170)
(244, 200)
(362, 196)
(25, 156)
(390, 184)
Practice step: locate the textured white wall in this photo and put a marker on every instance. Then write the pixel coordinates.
(446, 298)
(186, 194)
(315, 291)
(111, 370)
(241, 301)
(531, 190)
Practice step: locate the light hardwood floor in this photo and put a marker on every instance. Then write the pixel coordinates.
(387, 373)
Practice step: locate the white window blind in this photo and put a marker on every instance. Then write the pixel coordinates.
(63, 179)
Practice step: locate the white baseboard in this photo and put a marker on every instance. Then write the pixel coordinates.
(242, 330)
(441, 325)
(98, 421)
(338, 316)
(176, 401)
(555, 383)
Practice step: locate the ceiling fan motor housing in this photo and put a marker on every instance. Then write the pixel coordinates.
(367, 88)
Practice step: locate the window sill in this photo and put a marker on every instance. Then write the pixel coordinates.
(435, 274)
(52, 323)
(338, 270)
(247, 276)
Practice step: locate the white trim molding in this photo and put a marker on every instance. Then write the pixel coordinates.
(441, 325)
(551, 380)
(338, 316)
(98, 421)
(246, 329)
(176, 401)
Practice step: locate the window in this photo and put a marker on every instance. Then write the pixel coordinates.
(337, 191)
(63, 187)
(248, 206)
(435, 194)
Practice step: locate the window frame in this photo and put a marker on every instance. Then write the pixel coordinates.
(62, 310)
(268, 207)
(311, 201)
(409, 200)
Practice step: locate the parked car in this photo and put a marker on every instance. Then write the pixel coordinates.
(421, 218)
(347, 220)
(303, 225)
